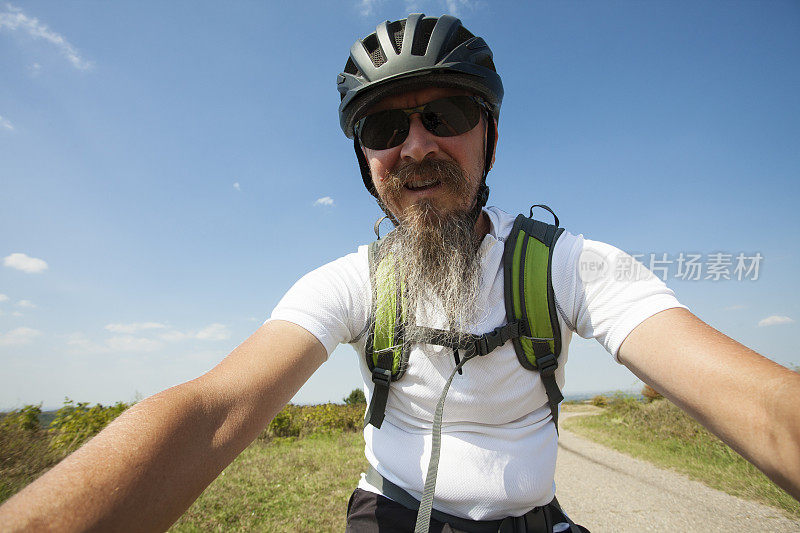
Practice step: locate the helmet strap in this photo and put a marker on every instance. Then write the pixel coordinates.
(366, 175)
(483, 190)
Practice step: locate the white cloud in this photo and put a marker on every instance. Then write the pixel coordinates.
(325, 200)
(366, 7)
(17, 313)
(174, 336)
(133, 327)
(412, 6)
(129, 343)
(3, 298)
(454, 6)
(81, 345)
(26, 303)
(15, 20)
(774, 320)
(5, 124)
(126, 341)
(19, 336)
(237, 186)
(35, 69)
(23, 262)
(214, 332)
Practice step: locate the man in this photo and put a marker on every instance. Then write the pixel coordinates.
(424, 137)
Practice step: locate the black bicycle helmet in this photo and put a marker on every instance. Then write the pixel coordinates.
(415, 53)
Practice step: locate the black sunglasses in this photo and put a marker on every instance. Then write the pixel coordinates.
(445, 117)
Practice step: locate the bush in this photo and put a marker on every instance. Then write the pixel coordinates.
(302, 420)
(26, 419)
(650, 394)
(24, 450)
(75, 424)
(356, 398)
(599, 401)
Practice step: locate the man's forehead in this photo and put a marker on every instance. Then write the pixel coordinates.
(415, 98)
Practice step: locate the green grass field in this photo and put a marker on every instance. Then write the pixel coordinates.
(659, 432)
(284, 485)
(299, 474)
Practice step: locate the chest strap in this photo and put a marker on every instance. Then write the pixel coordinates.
(470, 344)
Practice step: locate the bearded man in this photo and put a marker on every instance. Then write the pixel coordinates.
(421, 99)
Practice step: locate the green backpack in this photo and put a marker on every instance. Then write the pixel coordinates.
(530, 310)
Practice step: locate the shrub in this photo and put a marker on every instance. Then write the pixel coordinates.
(75, 424)
(302, 420)
(356, 398)
(24, 450)
(26, 419)
(599, 401)
(284, 424)
(650, 394)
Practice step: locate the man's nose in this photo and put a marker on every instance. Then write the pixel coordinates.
(420, 143)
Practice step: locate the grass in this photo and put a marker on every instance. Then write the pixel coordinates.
(296, 476)
(287, 484)
(299, 474)
(24, 455)
(659, 432)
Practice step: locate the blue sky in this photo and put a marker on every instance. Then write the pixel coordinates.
(169, 169)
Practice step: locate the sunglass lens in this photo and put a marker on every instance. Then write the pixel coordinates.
(385, 129)
(448, 117)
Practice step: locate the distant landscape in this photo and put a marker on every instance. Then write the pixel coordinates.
(316, 453)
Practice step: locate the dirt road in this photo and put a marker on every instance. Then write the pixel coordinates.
(607, 491)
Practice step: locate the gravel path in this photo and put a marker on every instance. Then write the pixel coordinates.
(607, 491)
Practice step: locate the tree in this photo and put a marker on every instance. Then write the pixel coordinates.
(356, 397)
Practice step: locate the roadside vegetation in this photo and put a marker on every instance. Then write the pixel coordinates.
(654, 429)
(28, 448)
(296, 476)
(299, 473)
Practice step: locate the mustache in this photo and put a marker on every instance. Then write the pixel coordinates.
(448, 173)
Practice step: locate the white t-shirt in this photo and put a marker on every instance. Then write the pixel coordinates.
(498, 448)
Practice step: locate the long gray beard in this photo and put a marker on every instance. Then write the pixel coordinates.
(440, 264)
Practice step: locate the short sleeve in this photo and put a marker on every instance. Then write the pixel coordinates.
(603, 292)
(330, 302)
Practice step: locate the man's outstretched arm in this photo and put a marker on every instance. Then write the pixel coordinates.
(750, 402)
(145, 469)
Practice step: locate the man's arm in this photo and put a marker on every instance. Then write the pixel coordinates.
(145, 469)
(750, 402)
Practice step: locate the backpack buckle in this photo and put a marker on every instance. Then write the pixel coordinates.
(488, 342)
(381, 376)
(547, 364)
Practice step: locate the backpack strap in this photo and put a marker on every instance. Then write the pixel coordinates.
(385, 351)
(529, 298)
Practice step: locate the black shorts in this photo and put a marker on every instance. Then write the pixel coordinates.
(368, 512)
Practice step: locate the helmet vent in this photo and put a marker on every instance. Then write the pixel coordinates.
(351, 68)
(396, 30)
(422, 36)
(374, 50)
